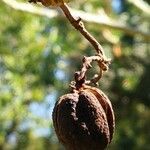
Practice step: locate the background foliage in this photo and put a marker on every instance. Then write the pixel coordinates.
(38, 57)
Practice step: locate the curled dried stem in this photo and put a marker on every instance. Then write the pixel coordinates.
(80, 77)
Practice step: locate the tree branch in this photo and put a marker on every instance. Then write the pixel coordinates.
(31, 9)
(102, 20)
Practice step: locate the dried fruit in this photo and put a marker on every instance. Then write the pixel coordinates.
(84, 119)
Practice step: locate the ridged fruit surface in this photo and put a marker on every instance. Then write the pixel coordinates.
(84, 120)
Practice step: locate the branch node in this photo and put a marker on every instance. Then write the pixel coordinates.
(79, 20)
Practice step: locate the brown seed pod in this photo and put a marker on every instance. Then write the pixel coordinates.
(84, 119)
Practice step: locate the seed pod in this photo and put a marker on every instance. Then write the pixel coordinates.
(84, 120)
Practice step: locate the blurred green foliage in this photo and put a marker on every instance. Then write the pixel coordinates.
(38, 57)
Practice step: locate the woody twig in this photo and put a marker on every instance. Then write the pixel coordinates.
(103, 62)
(100, 57)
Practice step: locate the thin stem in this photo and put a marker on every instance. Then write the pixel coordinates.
(80, 26)
(100, 57)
